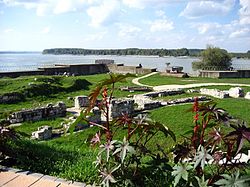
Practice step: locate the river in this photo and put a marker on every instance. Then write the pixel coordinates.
(31, 61)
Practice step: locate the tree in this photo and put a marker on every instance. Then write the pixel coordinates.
(213, 58)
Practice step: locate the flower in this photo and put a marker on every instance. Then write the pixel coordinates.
(96, 139)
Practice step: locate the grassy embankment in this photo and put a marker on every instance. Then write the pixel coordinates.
(71, 157)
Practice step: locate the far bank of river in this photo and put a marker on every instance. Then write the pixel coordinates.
(31, 61)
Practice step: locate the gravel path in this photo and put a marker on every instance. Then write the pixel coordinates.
(136, 80)
(172, 86)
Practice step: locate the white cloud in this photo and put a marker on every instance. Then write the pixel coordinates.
(8, 30)
(141, 4)
(208, 28)
(195, 9)
(45, 30)
(160, 13)
(44, 7)
(128, 31)
(63, 6)
(161, 25)
(244, 12)
(244, 32)
(103, 13)
(96, 36)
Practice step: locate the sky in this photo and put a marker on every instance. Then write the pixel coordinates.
(34, 25)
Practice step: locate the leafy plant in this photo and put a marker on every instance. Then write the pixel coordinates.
(122, 161)
(210, 152)
(234, 180)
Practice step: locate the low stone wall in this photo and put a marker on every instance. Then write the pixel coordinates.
(185, 100)
(214, 93)
(225, 74)
(120, 68)
(36, 114)
(165, 93)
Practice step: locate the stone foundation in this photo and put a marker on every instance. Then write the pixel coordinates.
(50, 111)
(81, 101)
(43, 133)
(214, 93)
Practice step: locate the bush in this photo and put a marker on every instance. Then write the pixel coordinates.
(213, 58)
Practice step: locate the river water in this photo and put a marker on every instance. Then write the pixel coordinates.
(31, 61)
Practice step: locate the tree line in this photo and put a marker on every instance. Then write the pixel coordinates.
(135, 51)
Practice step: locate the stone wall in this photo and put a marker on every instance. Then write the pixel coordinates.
(120, 68)
(214, 93)
(225, 74)
(81, 101)
(118, 107)
(165, 93)
(43, 133)
(50, 111)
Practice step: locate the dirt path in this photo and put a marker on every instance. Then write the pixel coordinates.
(172, 86)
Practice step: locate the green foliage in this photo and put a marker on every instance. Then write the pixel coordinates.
(121, 161)
(214, 58)
(7, 134)
(209, 146)
(128, 51)
(234, 180)
(181, 171)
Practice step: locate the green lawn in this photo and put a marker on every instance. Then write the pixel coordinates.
(21, 83)
(71, 156)
(157, 80)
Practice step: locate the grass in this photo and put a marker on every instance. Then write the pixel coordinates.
(71, 157)
(17, 84)
(157, 80)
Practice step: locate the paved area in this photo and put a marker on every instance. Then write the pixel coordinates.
(18, 178)
(172, 86)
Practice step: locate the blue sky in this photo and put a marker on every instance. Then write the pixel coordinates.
(33, 25)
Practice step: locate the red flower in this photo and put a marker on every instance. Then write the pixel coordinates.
(195, 105)
(105, 93)
(196, 117)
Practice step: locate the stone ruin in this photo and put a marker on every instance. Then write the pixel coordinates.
(50, 111)
(214, 93)
(184, 100)
(145, 102)
(247, 96)
(42, 133)
(165, 93)
(81, 101)
(235, 92)
(95, 115)
(118, 107)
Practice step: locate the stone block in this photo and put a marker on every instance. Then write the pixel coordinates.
(236, 92)
(81, 101)
(214, 93)
(43, 133)
(247, 96)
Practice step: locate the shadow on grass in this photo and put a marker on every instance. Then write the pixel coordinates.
(42, 158)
